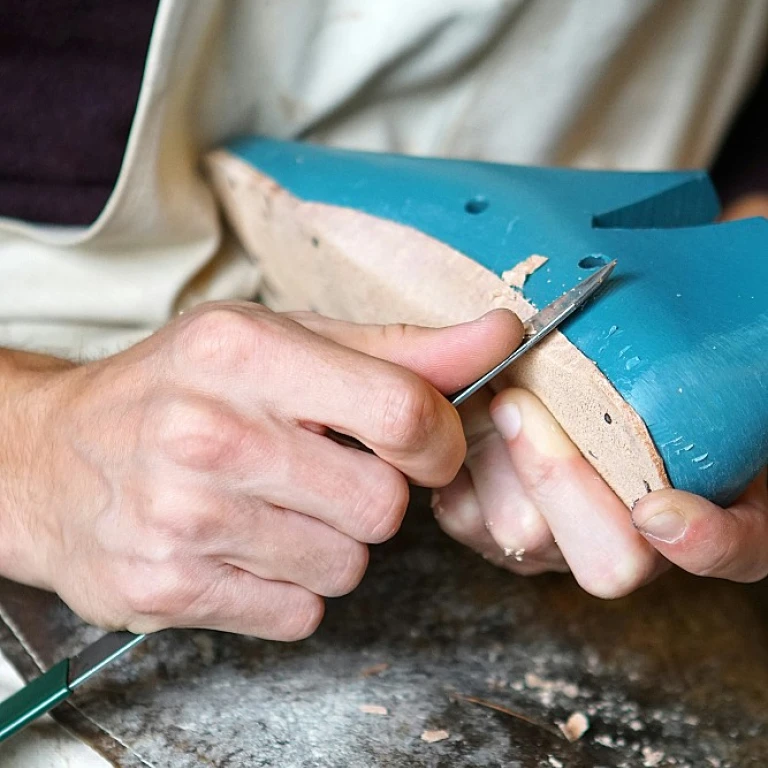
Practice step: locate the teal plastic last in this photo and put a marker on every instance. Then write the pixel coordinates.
(682, 333)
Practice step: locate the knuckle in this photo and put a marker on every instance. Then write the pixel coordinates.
(195, 432)
(159, 542)
(380, 509)
(304, 620)
(407, 413)
(103, 607)
(447, 465)
(160, 595)
(214, 333)
(350, 573)
(719, 563)
(544, 475)
(222, 336)
(726, 562)
(169, 517)
(174, 527)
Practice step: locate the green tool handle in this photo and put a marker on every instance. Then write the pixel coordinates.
(35, 699)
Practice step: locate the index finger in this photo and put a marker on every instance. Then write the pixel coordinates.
(449, 358)
(263, 364)
(400, 417)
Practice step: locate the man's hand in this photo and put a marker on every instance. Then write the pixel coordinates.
(188, 481)
(528, 501)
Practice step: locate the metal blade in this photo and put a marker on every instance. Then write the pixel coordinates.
(540, 325)
(97, 655)
(553, 314)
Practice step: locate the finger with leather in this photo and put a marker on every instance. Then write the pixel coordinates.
(591, 526)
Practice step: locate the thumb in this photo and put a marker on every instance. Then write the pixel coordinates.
(448, 358)
(704, 539)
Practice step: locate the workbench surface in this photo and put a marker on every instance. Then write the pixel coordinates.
(676, 675)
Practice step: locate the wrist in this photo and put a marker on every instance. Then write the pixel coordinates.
(27, 405)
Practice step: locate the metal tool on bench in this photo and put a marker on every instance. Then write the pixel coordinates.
(58, 683)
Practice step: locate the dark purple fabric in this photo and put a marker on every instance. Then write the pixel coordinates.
(70, 72)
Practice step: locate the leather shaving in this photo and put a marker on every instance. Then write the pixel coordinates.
(652, 757)
(432, 736)
(373, 709)
(516, 277)
(376, 669)
(575, 727)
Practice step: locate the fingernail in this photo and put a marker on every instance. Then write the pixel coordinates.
(507, 420)
(668, 526)
(534, 420)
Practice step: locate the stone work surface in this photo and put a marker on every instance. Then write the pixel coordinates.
(676, 675)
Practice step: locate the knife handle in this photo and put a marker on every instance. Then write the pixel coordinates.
(34, 699)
